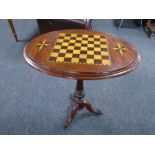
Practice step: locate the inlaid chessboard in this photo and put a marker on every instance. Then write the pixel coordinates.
(80, 49)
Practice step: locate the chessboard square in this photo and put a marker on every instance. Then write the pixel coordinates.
(63, 47)
(72, 38)
(60, 59)
(68, 55)
(76, 52)
(79, 38)
(65, 44)
(90, 56)
(84, 45)
(83, 56)
(103, 53)
(104, 49)
(59, 40)
(97, 42)
(90, 45)
(106, 62)
(67, 59)
(103, 46)
(97, 36)
(62, 34)
(85, 35)
(82, 60)
(77, 48)
(79, 35)
(98, 61)
(83, 52)
(72, 41)
(97, 52)
(105, 57)
(97, 49)
(52, 54)
(70, 47)
(73, 35)
(97, 57)
(96, 45)
(84, 48)
(66, 38)
(71, 44)
(78, 41)
(90, 52)
(78, 44)
(61, 55)
(57, 47)
(62, 51)
(90, 61)
(75, 56)
(52, 58)
(90, 42)
(90, 39)
(69, 51)
(96, 39)
(75, 60)
(84, 41)
(68, 34)
(90, 48)
(90, 36)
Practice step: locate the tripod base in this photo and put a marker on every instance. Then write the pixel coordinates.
(80, 103)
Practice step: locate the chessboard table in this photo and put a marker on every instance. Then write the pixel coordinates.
(81, 55)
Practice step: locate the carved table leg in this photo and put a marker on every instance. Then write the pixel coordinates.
(72, 115)
(80, 103)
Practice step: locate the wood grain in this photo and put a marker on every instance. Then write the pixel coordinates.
(121, 63)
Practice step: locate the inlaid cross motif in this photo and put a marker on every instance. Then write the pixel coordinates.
(42, 44)
(119, 48)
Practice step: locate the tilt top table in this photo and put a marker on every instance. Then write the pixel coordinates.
(81, 55)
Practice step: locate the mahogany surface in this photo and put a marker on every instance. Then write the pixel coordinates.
(123, 59)
(121, 64)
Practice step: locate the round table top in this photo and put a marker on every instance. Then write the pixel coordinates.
(81, 54)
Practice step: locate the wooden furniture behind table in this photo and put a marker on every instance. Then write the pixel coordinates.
(48, 25)
(81, 55)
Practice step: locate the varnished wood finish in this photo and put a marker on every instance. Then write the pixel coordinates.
(79, 103)
(77, 107)
(123, 56)
(121, 64)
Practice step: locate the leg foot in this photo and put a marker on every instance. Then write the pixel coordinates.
(89, 107)
(80, 103)
(78, 107)
(72, 115)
